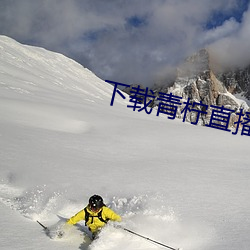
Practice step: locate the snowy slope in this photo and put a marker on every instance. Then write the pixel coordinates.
(61, 141)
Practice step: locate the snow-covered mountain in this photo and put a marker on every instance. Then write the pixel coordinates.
(237, 81)
(198, 80)
(61, 141)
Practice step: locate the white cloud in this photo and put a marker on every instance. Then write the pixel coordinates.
(97, 33)
(233, 50)
(228, 28)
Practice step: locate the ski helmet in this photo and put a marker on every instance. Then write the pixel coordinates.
(95, 202)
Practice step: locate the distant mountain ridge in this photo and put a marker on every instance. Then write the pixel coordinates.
(237, 81)
(198, 80)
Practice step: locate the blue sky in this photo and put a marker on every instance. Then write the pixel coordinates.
(131, 41)
(218, 17)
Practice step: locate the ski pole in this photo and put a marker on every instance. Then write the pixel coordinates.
(45, 228)
(146, 238)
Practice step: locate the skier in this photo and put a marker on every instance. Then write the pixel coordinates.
(95, 214)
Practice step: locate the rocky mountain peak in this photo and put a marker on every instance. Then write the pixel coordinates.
(197, 64)
(197, 81)
(237, 81)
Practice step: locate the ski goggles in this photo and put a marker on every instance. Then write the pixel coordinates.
(94, 208)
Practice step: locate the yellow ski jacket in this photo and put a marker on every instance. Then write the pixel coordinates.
(94, 223)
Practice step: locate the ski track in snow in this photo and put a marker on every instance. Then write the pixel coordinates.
(42, 116)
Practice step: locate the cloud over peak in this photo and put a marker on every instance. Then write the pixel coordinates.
(129, 41)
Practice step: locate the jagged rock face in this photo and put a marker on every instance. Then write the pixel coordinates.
(197, 64)
(237, 81)
(197, 81)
